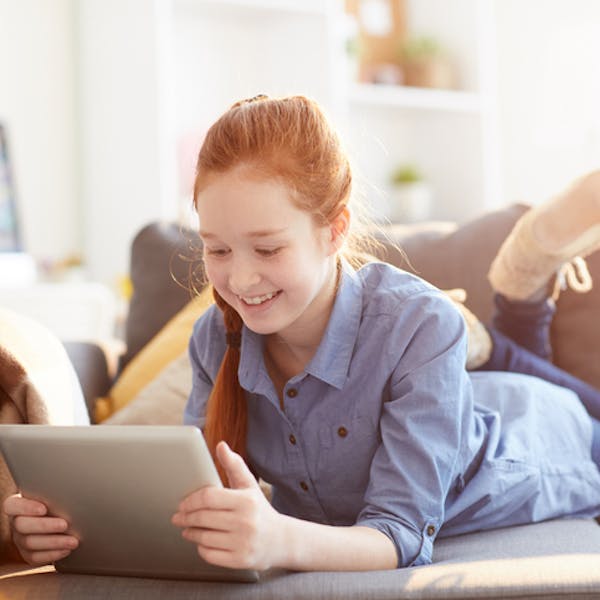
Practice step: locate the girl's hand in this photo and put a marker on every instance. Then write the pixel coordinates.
(236, 527)
(39, 538)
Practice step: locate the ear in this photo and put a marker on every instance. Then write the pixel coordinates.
(339, 230)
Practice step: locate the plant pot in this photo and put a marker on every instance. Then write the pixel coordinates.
(410, 202)
(429, 73)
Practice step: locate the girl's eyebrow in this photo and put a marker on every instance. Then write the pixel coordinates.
(265, 232)
(250, 234)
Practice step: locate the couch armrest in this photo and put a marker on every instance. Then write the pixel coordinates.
(91, 366)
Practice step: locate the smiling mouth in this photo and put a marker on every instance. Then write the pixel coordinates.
(257, 300)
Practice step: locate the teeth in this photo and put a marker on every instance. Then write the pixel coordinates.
(258, 299)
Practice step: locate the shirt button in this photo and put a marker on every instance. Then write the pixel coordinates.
(304, 486)
(292, 393)
(292, 439)
(430, 530)
(342, 432)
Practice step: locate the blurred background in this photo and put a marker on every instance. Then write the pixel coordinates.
(448, 108)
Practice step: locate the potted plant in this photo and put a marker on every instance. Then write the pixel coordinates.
(411, 195)
(425, 63)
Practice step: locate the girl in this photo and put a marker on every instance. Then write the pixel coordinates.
(345, 389)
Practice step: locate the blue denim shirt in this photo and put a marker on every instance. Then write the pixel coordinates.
(385, 428)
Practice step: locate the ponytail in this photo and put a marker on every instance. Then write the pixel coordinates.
(226, 412)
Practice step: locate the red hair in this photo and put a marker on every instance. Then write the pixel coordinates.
(291, 140)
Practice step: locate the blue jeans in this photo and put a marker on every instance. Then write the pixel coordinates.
(520, 335)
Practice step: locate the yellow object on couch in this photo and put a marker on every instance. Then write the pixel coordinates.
(169, 343)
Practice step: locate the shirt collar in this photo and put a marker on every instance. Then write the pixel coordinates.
(251, 360)
(331, 362)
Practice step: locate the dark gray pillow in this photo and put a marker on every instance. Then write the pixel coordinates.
(162, 255)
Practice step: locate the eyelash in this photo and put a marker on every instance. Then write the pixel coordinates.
(264, 252)
(267, 252)
(216, 253)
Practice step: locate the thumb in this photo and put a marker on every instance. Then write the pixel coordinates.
(237, 471)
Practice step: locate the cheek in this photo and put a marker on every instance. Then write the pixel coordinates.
(214, 273)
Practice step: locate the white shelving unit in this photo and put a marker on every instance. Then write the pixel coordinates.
(402, 97)
(155, 78)
(450, 135)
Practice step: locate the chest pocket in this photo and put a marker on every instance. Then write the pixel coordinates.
(347, 448)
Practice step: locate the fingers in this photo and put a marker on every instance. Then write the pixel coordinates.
(40, 539)
(39, 549)
(238, 473)
(17, 505)
(211, 498)
(208, 538)
(222, 548)
(223, 520)
(222, 558)
(39, 525)
(40, 543)
(45, 557)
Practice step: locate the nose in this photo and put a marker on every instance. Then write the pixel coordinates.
(243, 275)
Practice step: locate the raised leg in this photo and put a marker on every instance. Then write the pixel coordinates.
(546, 238)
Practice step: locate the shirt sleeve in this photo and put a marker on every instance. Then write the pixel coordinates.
(205, 354)
(423, 428)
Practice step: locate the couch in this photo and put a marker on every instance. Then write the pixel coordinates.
(555, 559)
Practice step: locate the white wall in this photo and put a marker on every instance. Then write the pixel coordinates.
(549, 78)
(91, 103)
(127, 146)
(38, 106)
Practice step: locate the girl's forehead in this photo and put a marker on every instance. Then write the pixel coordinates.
(249, 199)
(250, 208)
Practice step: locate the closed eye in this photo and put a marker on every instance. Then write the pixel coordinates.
(216, 252)
(267, 252)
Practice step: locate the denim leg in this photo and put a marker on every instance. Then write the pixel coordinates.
(526, 323)
(507, 355)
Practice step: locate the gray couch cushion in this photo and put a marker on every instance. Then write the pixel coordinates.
(162, 255)
(552, 560)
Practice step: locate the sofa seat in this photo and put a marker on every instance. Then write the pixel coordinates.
(551, 560)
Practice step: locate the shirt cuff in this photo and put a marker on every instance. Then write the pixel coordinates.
(413, 548)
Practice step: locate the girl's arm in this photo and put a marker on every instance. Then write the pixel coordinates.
(238, 528)
(315, 547)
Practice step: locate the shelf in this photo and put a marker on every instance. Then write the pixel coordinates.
(309, 7)
(396, 96)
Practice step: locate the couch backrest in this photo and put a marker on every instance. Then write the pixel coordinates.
(446, 254)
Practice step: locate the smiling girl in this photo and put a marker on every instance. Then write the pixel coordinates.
(345, 388)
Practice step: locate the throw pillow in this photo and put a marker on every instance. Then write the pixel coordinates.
(162, 401)
(576, 329)
(168, 344)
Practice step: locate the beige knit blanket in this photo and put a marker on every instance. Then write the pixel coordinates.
(36, 386)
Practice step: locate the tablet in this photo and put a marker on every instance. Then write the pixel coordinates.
(118, 486)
